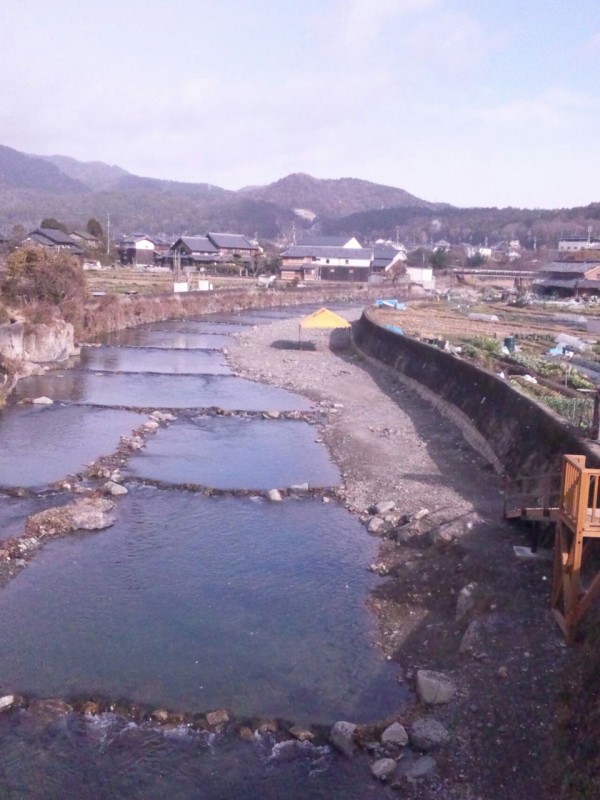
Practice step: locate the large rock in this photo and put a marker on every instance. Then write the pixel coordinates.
(376, 525)
(434, 688)
(342, 737)
(38, 344)
(89, 514)
(419, 768)
(274, 495)
(427, 734)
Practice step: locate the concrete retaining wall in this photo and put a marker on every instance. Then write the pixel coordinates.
(525, 438)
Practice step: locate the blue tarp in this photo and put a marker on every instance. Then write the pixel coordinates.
(391, 304)
(394, 329)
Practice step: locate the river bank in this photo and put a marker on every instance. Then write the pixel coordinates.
(453, 596)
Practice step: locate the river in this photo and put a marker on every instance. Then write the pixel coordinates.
(203, 595)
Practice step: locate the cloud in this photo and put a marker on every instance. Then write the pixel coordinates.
(362, 21)
(448, 41)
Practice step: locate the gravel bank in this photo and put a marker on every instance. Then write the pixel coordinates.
(504, 653)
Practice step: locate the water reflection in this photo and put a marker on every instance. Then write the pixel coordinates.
(177, 362)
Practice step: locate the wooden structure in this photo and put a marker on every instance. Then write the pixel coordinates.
(574, 510)
(577, 522)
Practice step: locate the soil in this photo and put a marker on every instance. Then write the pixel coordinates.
(391, 446)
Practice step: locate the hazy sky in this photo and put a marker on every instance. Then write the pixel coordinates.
(473, 102)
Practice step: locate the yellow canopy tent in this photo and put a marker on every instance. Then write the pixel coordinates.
(323, 318)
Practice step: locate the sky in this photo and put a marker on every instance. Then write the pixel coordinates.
(470, 102)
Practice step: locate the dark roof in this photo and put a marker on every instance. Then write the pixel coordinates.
(53, 236)
(325, 241)
(84, 235)
(233, 241)
(574, 267)
(304, 251)
(197, 244)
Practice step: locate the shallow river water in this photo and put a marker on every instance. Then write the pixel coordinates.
(189, 602)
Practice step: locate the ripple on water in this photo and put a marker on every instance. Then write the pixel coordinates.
(174, 362)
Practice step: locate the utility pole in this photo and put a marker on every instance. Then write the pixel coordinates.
(107, 233)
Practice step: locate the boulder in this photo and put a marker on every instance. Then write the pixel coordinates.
(434, 688)
(301, 734)
(300, 488)
(42, 401)
(274, 495)
(342, 737)
(7, 702)
(428, 734)
(384, 507)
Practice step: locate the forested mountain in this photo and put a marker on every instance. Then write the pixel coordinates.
(34, 187)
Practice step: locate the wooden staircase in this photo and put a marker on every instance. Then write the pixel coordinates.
(570, 501)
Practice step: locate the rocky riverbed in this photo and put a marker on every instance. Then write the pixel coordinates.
(454, 599)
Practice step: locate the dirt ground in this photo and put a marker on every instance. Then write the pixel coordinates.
(391, 446)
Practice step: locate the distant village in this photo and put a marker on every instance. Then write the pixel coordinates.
(572, 270)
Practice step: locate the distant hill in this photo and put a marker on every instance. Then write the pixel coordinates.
(332, 198)
(20, 171)
(33, 187)
(94, 174)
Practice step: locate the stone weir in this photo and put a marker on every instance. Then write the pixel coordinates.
(27, 348)
(517, 435)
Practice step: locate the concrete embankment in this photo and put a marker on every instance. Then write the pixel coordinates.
(515, 433)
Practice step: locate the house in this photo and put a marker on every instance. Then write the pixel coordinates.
(572, 244)
(53, 240)
(383, 256)
(419, 275)
(136, 250)
(317, 262)
(85, 240)
(234, 246)
(193, 251)
(569, 278)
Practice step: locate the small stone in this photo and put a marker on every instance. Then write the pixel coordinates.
(7, 702)
(427, 734)
(434, 688)
(217, 717)
(151, 426)
(247, 734)
(503, 672)
(383, 768)
(160, 715)
(342, 737)
(115, 489)
(90, 707)
(274, 495)
(300, 488)
(272, 414)
(465, 602)
(376, 525)
(419, 768)
(423, 512)
(42, 401)
(384, 507)
(301, 734)
(395, 734)
(267, 726)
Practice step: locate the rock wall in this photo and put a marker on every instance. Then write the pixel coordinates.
(38, 344)
(523, 437)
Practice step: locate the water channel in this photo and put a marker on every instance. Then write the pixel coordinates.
(196, 599)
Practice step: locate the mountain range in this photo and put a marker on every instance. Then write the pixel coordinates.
(33, 187)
